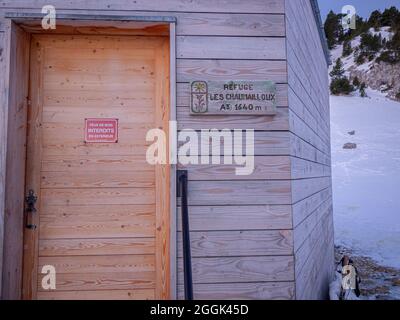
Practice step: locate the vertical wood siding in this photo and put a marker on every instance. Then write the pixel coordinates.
(18, 54)
(311, 170)
(3, 145)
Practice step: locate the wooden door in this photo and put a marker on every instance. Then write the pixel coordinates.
(102, 211)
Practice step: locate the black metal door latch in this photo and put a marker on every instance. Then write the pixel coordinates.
(30, 201)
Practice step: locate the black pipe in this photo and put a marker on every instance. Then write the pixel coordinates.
(187, 257)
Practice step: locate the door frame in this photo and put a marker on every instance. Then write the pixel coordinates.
(19, 28)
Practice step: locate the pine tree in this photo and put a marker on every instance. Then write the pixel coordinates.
(390, 17)
(356, 82)
(347, 50)
(341, 86)
(370, 43)
(331, 27)
(359, 58)
(337, 71)
(374, 20)
(392, 50)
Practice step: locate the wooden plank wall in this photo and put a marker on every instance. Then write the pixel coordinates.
(311, 170)
(3, 139)
(242, 227)
(15, 161)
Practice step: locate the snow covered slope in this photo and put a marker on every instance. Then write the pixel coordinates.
(366, 180)
(349, 61)
(379, 76)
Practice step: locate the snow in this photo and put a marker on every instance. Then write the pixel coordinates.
(366, 180)
(384, 32)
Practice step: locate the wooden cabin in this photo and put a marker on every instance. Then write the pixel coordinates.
(109, 222)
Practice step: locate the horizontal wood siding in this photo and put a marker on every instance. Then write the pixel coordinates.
(243, 291)
(308, 99)
(241, 226)
(244, 229)
(224, 6)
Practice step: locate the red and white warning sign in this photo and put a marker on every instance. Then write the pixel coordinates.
(101, 130)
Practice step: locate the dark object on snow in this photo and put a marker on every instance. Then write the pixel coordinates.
(363, 86)
(347, 261)
(352, 133)
(350, 145)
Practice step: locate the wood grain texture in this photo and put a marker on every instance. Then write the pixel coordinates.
(306, 248)
(121, 179)
(100, 264)
(229, 217)
(222, 24)
(139, 294)
(102, 281)
(301, 169)
(242, 291)
(99, 246)
(263, 25)
(104, 215)
(265, 168)
(314, 121)
(303, 131)
(103, 221)
(238, 243)
(314, 91)
(302, 149)
(309, 121)
(3, 136)
(304, 208)
(240, 269)
(14, 170)
(202, 47)
(278, 122)
(106, 163)
(183, 95)
(162, 175)
(102, 27)
(96, 196)
(255, 6)
(216, 40)
(303, 188)
(189, 70)
(173, 172)
(265, 143)
(302, 231)
(239, 192)
(313, 281)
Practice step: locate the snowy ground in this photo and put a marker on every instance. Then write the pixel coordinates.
(366, 180)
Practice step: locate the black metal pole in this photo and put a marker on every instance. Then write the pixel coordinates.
(187, 257)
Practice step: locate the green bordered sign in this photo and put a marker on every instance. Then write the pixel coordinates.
(233, 98)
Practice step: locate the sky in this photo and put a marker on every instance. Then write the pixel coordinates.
(363, 7)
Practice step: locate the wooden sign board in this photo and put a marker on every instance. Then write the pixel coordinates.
(101, 130)
(233, 98)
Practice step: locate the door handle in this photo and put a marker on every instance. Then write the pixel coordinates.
(30, 208)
